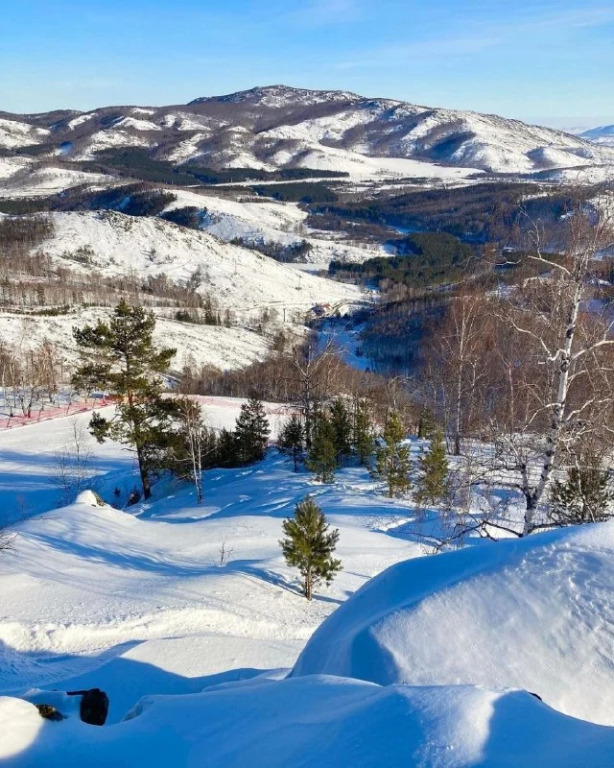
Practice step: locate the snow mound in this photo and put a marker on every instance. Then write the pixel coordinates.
(318, 721)
(536, 614)
(89, 497)
(20, 726)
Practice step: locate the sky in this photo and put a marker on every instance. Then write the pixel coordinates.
(547, 61)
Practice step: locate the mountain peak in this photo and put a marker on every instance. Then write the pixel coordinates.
(279, 96)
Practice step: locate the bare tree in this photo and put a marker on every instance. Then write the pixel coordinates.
(568, 351)
(550, 367)
(455, 367)
(191, 436)
(73, 464)
(316, 371)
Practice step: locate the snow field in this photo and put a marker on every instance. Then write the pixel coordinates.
(186, 615)
(86, 582)
(321, 722)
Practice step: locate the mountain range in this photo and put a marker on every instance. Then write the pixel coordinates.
(276, 127)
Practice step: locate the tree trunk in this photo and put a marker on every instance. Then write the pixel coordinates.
(143, 472)
(308, 586)
(554, 433)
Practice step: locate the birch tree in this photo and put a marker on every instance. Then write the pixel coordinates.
(555, 382)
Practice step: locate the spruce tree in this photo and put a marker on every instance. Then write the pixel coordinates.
(434, 484)
(322, 457)
(392, 458)
(120, 356)
(363, 439)
(584, 497)
(252, 432)
(309, 545)
(342, 429)
(226, 455)
(291, 439)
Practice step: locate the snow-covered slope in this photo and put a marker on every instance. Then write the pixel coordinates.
(262, 220)
(137, 601)
(217, 346)
(314, 723)
(241, 280)
(278, 126)
(602, 135)
(15, 133)
(535, 614)
(189, 646)
(19, 178)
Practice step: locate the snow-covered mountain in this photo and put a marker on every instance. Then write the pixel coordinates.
(280, 127)
(602, 135)
(94, 245)
(238, 279)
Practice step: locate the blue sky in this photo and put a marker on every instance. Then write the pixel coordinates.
(547, 61)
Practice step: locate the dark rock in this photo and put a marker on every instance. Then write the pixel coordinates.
(49, 713)
(94, 706)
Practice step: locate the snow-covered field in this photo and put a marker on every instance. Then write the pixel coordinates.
(193, 607)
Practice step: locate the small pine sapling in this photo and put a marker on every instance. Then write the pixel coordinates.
(342, 429)
(363, 439)
(309, 545)
(585, 495)
(252, 432)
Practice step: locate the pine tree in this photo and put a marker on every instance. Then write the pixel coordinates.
(434, 484)
(583, 497)
(392, 458)
(209, 448)
(363, 439)
(120, 356)
(291, 439)
(309, 545)
(226, 449)
(322, 457)
(342, 429)
(252, 432)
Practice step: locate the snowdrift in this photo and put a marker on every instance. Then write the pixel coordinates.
(536, 614)
(314, 721)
